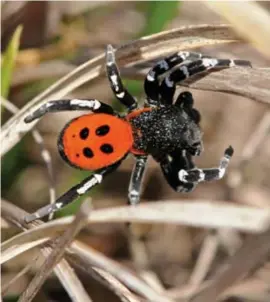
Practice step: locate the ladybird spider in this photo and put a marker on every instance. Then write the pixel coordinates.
(167, 131)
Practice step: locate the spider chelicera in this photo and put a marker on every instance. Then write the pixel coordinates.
(167, 131)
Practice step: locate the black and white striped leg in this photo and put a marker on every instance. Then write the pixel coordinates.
(45, 154)
(167, 87)
(116, 83)
(134, 190)
(80, 189)
(151, 83)
(198, 175)
(185, 100)
(171, 164)
(69, 105)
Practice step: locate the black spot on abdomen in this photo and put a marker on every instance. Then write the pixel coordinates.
(84, 133)
(106, 148)
(87, 152)
(102, 130)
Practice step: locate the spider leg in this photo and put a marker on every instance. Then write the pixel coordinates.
(198, 175)
(167, 87)
(69, 105)
(151, 83)
(78, 190)
(116, 83)
(174, 162)
(185, 100)
(134, 190)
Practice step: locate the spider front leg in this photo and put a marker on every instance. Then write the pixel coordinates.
(134, 190)
(117, 86)
(185, 101)
(80, 189)
(198, 175)
(171, 164)
(69, 105)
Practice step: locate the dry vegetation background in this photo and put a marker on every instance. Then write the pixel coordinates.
(177, 258)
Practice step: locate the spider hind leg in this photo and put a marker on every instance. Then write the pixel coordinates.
(151, 83)
(186, 70)
(78, 190)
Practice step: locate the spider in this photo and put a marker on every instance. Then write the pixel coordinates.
(168, 131)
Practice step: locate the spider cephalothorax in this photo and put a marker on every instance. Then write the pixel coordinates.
(164, 130)
(168, 131)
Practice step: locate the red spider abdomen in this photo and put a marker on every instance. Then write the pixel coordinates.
(94, 141)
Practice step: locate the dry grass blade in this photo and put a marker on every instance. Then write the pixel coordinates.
(119, 289)
(55, 68)
(143, 49)
(62, 270)
(252, 145)
(85, 254)
(257, 137)
(9, 106)
(204, 260)
(6, 286)
(250, 83)
(252, 253)
(57, 253)
(257, 286)
(44, 152)
(249, 286)
(244, 16)
(213, 215)
(86, 257)
(16, 250)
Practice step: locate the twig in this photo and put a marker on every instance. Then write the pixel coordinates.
(57, 253)
(63, 271)
(145, 48)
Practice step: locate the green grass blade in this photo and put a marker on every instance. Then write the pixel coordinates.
(159, 14)
(8, 61)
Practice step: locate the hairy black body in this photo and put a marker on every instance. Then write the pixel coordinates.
(164, 130)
